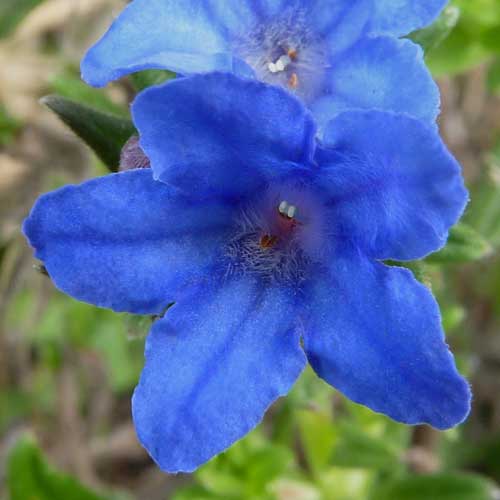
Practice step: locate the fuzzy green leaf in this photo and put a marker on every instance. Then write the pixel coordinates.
(464, 245)
(104, 133)
(432, 36)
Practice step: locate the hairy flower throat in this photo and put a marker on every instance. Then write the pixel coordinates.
(287, 212)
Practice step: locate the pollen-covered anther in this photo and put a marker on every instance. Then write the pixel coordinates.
(268, 241)
(280, 65)
(287, 210)
(293, 82)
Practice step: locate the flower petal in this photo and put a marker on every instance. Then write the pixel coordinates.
(195, 36)
(214, 364)
(375, 334)
(379, 73)
(395, 189)
(125, 241)
(183, 36)
(219, 133)
(404, 16)
(339, 23)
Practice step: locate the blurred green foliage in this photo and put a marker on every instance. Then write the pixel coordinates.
(464, 244)
(30, 478)
(8, 127)
(69, 85)
(475, 38)
(314, 444)
(80, 326)
(12, 12)
(145, 79)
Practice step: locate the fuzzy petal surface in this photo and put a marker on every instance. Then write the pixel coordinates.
(375, 334)
(401, 17)
(395, 189)
(195, 36)
(125, 241)
(181, 36)
(379, 73)
(218, 133)
(339, 23)
(214, 364)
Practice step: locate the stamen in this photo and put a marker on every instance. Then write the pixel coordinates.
(280, 65)
(268, 241)
(287, 210)
(283, 208)
(292, 54)
(294, 81)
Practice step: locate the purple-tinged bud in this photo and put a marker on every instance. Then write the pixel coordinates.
(132, 156)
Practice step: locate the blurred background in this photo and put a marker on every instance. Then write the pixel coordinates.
(67, 369)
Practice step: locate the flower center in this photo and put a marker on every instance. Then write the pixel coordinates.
(286, 224)
(285, 51)
(280, 65)
(283, 63)
(287, 210)
(278, 235)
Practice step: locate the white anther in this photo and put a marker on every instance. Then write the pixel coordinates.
(291, 211)
(280, 65)
(283, 208)
(287, 210)
(272, 67)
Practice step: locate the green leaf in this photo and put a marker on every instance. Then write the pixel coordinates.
(150, 77)
(452, 316)
(432, 36)
(220, 482)
(104, 133)
(490, 39)
(419, 269)
(465, 244)
(437, 487)
(460, 52)
(264, 466)
(318, 436)
(469, 44)
(137, 326)
(358, 450)
(29, 477)
(69, 85)
(12, 12)
(251, 476)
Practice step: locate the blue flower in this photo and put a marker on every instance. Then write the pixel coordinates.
(334, 54)
(270, 245)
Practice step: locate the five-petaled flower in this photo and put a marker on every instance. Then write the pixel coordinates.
(334, 54)
(270, 245)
